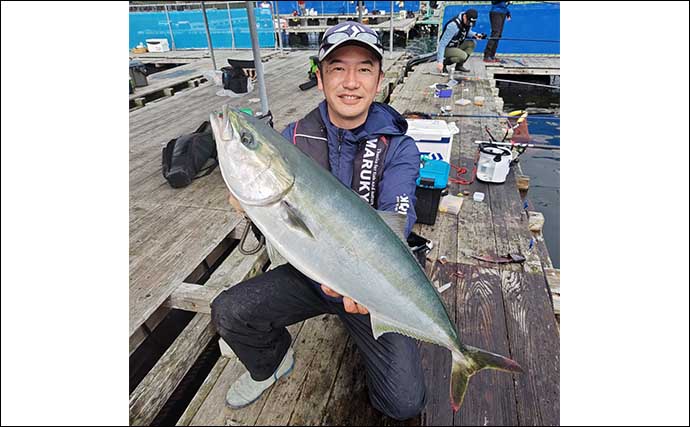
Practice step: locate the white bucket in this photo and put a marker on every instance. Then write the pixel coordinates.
(494, 163)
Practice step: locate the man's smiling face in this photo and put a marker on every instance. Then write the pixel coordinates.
(349, 77)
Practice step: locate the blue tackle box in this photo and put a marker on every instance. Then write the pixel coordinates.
(433, 179)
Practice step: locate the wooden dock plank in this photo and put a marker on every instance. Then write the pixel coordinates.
(553, 279)
(155, 389)
(203, 392)
(436, 361)
(534, 343)
(490, 227)
(162, 262)
(490, 398)
(195, 64)
(302, 398)
(158, 385)
(215, 412)
(511, 224)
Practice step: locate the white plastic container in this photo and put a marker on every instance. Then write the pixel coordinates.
(478, 196)
(157, 45)
(493, 164)
(433, 137)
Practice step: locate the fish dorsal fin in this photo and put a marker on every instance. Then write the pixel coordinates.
(293, 218)
(380, 326)
(396, 222)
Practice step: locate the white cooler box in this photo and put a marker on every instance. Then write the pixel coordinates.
(433, 137)
(157, 45)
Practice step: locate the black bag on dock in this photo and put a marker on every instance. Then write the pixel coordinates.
(185, 156)
(237, 74)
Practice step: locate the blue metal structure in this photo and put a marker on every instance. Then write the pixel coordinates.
(188, 28)
(530, 20)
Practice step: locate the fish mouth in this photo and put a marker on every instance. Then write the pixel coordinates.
(260, 184)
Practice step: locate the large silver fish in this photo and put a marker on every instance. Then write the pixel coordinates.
(332, 236)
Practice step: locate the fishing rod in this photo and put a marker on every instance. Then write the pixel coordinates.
(498, 80)
(529, 84)
(508, 81)
(520, 145)
(522, 40)
(476, 116)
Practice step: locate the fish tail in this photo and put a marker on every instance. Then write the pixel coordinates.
(471, 361)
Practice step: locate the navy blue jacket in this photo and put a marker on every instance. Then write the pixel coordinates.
(396, 191)
(500, 7)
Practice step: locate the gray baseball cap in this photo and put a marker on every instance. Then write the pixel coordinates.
(350, 32)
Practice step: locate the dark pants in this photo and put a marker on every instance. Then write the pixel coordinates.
(497, 20)
(252, 317)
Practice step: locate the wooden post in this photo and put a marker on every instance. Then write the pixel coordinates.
(169, 91)
(553, 278)
(536, 221)
(140, 102)
(522, 182)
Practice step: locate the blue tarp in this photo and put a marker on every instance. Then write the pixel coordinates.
(537, 20)
(530, 21)
(188, 26)
(189, 32)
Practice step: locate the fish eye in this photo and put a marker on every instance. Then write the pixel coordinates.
(247, 139)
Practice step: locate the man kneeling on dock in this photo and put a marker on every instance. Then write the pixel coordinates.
(453, 47)
(362, 143)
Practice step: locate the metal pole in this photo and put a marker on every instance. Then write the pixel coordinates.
(360, 6)
(232, 32)
(391, 31)
(208, 36)
(172, 37)
(257, 57)
(273, 25)
(280, 30)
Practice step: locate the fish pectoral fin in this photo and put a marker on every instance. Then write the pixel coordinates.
(293, 218)
(396, 222)
(380, 326)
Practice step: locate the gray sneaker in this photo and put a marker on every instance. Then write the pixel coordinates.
(246, 390)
